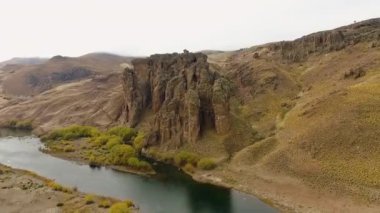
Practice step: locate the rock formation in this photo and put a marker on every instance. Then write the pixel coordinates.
(331, 40)
(185, 96)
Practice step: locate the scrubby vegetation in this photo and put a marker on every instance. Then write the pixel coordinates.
(22, 125)
(121, 207)
(160, 156)
(73, 132)
(125, 133)
(118, 146)
(189, 168)
(105, 204)
(58, 187)
(184, 157)
(138, 142)
(206, 164)
(187, 160)
(89, 199)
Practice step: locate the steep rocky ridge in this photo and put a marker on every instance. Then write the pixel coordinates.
(185, 95)
(332, 40)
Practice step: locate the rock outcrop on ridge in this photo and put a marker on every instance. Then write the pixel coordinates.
(184, 94)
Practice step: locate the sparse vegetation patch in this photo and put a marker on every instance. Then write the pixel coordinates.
(118, 146)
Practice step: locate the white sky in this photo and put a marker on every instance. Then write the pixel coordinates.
(141, 27)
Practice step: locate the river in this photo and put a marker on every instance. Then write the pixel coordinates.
(170, 191)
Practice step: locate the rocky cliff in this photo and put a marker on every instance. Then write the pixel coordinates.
(331, 40)
(184, 94)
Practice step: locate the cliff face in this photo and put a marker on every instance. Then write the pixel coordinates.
(185, 96)
(332, 40)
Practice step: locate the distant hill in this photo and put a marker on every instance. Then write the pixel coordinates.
(41, 75)
(22, 61)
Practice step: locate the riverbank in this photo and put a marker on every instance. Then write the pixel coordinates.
(288, 194)
(74, 157)
(24, 191)
(117, 148)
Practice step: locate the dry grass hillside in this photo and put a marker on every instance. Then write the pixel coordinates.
(317, 112)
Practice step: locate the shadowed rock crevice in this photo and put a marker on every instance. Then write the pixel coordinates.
(185, 96)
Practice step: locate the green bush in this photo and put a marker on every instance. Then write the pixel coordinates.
(160, 156)
(113, 141)
(100, 140)
(73, 132)
(58, 187)
(121, 207)
(189, 168)
(125, 133)
(184, 157)
(143, 165)
(206, 164)
(105, 204)
(119, 154)
(139, 164)
(93, 161)
(133, 162)
(138, 142)
(89, 199)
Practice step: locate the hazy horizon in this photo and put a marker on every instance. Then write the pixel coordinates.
(43, 28)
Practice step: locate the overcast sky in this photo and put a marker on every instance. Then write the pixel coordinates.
(141, 27)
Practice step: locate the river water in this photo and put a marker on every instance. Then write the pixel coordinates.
(170, 191)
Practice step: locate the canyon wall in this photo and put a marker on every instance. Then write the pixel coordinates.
(184, 94)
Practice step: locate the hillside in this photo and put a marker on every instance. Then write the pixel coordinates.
(315, 101)
(63, 90)
(32, 79)
(294, 122)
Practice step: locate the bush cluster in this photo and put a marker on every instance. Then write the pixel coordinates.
(118, 146)
(121, 207)
(105, 204)
(23, 125)
(89, 199)
(206, 164)
(73, 132)
(119, 154)
(138, 141)
(125, 133)
(139, 164)
(187, 160)
(58, 187)
(184, 157)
